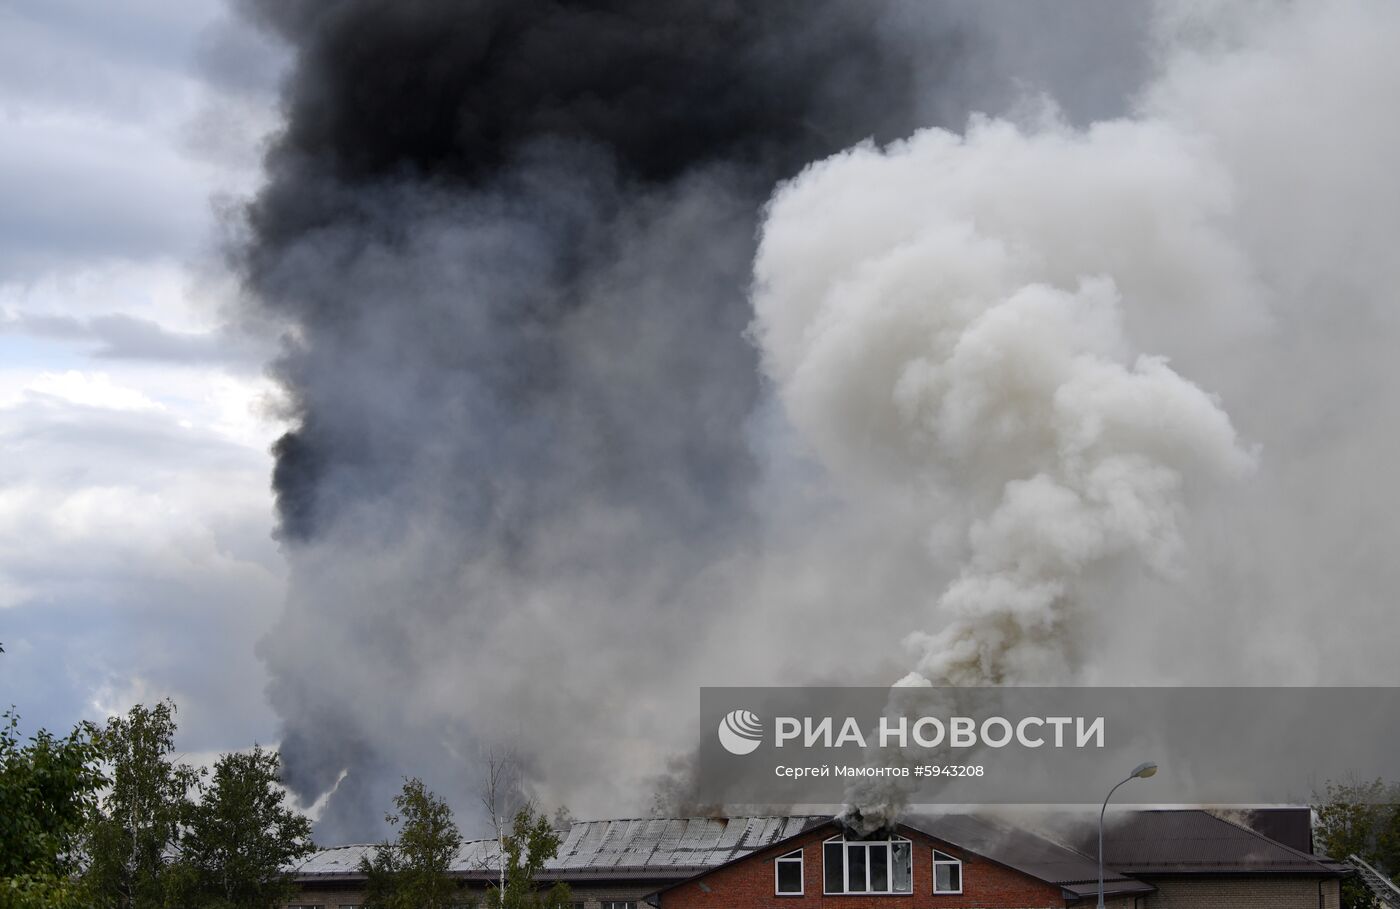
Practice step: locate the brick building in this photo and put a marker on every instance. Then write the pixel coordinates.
(1186, 859)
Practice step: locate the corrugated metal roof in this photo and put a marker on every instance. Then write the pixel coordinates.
(654, 848)
(671, 843)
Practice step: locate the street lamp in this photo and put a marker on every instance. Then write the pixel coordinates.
(1140, 772)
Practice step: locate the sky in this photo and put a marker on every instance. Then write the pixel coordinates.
(136, 550)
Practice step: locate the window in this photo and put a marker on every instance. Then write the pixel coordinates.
(947, 873)
(616, 904)
(867, 866)
(787, 871)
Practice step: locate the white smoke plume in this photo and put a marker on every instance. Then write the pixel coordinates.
(976, 337)
(1034, 330)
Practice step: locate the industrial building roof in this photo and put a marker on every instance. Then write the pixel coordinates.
(649, 848)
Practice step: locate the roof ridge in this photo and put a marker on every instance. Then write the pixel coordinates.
(1256, 834)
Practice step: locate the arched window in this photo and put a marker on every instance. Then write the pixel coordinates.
(947, 873)
(867, 866)
(787, 874)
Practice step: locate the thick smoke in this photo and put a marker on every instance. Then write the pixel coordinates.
(948, 312)
(985, 320)
(551, 469)
(511, 242)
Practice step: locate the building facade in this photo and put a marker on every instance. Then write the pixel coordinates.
(1187, 859)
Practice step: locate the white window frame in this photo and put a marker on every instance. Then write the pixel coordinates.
(946, 859)
(847, 846)
(793, 856)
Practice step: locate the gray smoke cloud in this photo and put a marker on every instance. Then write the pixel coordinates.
(510, 242)
(1096, 356)
(1005, 402)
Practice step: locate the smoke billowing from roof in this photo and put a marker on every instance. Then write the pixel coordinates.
(511, 242)
(546, 478)
(988, 316)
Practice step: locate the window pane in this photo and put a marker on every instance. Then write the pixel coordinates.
(903, 880)
(855, 868)
(789, 876)
(955, 877)
(833, 858)
(879, 867)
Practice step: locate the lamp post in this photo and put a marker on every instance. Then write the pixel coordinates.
(1140, 772)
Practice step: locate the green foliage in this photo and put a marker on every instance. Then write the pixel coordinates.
(534, 840)
(144, 843)
(43, 891)
(1361, 819)
(241, 836)
(412, 871)
(133, 840)
(48, 787)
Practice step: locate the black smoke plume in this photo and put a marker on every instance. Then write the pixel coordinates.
(510, 242)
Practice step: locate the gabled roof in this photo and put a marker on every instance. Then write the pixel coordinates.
(1032, 855)
(1029, 853)
(1193, 841)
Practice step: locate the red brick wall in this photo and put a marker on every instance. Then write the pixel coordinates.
(749, 884)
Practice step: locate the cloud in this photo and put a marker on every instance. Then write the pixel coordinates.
(108, 152)
(135, 555)
(123, 337)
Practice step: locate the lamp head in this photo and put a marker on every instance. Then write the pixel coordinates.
(1144, 770)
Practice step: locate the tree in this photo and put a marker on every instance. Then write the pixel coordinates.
(412, 871)
(533, 840)
(48, 788)
(241, 836)
(1361, 819)
(133, 840)
(502, 798)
